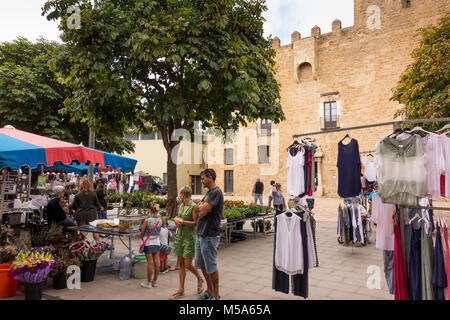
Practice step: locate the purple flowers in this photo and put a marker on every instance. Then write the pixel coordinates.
(33, 266)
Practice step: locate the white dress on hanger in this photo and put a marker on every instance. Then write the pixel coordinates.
(289, 245)
(295, 174)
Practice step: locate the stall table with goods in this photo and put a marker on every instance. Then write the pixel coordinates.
(237, 213)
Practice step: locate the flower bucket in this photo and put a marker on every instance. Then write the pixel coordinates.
(33, 291)
(59, 281)
(8, 286)
(88, 270)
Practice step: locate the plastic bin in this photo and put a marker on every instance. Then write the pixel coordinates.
(140, 267)
(8, 286)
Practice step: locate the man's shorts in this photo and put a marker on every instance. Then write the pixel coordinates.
(206, 253)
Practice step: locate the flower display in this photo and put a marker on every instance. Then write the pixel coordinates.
(32, 266)
(63, 259)
(85, 251)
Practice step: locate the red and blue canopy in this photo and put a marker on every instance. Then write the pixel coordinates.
(23, 149)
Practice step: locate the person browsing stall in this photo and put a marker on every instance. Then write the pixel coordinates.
(185, 240)
(58, 209)
(210, 211)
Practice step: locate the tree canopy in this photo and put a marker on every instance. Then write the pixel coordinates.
(167, 64)
(425, 85)
(31, 98)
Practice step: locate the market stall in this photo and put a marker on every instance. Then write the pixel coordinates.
(21, 153)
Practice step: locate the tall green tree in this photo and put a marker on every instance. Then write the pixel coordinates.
(167, 64)
(32, 98)
(424, 87)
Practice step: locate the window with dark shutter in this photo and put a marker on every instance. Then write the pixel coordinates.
(229, 183)
(263, 154)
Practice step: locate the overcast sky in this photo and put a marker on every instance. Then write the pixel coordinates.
(23, 18)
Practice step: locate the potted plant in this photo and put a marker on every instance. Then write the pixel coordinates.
(88, 254)
(268, 225)
(260, 224)
(32, 268)
(63, 259)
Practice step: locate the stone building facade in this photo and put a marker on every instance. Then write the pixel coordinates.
(339, 79)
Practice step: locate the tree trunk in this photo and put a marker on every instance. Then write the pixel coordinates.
(172, 185)
(172, 191)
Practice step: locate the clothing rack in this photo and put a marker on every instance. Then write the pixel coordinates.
(426, 208)
(396, 124)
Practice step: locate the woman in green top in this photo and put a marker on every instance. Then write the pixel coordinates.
(184, 242)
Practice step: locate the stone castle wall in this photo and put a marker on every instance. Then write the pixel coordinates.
(357, 67)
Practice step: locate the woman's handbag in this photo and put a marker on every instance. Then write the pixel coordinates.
(141, 248)
(164, 248)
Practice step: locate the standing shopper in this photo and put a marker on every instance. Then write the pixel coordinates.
(152, 227)
(102, 198)
(278, 200)
(258, 190)
(184, 242)
(271, 188)
(86, 205)
(210, 212)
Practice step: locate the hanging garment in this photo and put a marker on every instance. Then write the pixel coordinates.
(445, 162)
(300, 286)
(289, 253)
(370, 171)
(295, 174)
(400, 278)
(439, 277)
(448, 260)
(388, 261)
(349, 169)
(312, 253)
(313, 229)
(310, 175)
(433, 164)
(427, 259)
(401, 170)
(280, 280)
(382, 215)
(305, 171)
(415, 273)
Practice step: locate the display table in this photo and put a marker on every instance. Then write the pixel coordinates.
(230, 225)
(111, 233)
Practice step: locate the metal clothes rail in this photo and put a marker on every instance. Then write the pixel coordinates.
(394, 123)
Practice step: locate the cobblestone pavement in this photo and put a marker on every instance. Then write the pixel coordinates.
(245, 270)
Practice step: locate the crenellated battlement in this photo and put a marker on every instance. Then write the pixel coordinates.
(371, 17)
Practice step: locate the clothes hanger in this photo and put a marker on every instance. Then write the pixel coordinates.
(447, 126)
(396, 132)
(414, 218)
(419, 129)
(295, 143)
(346, 136)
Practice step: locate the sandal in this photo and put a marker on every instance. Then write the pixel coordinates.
(200, 287)
(177, 295)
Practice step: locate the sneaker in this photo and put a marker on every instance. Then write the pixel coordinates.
(146, 284)
(205, 295)
(165, 270)
(155, 284)
(213, 298)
